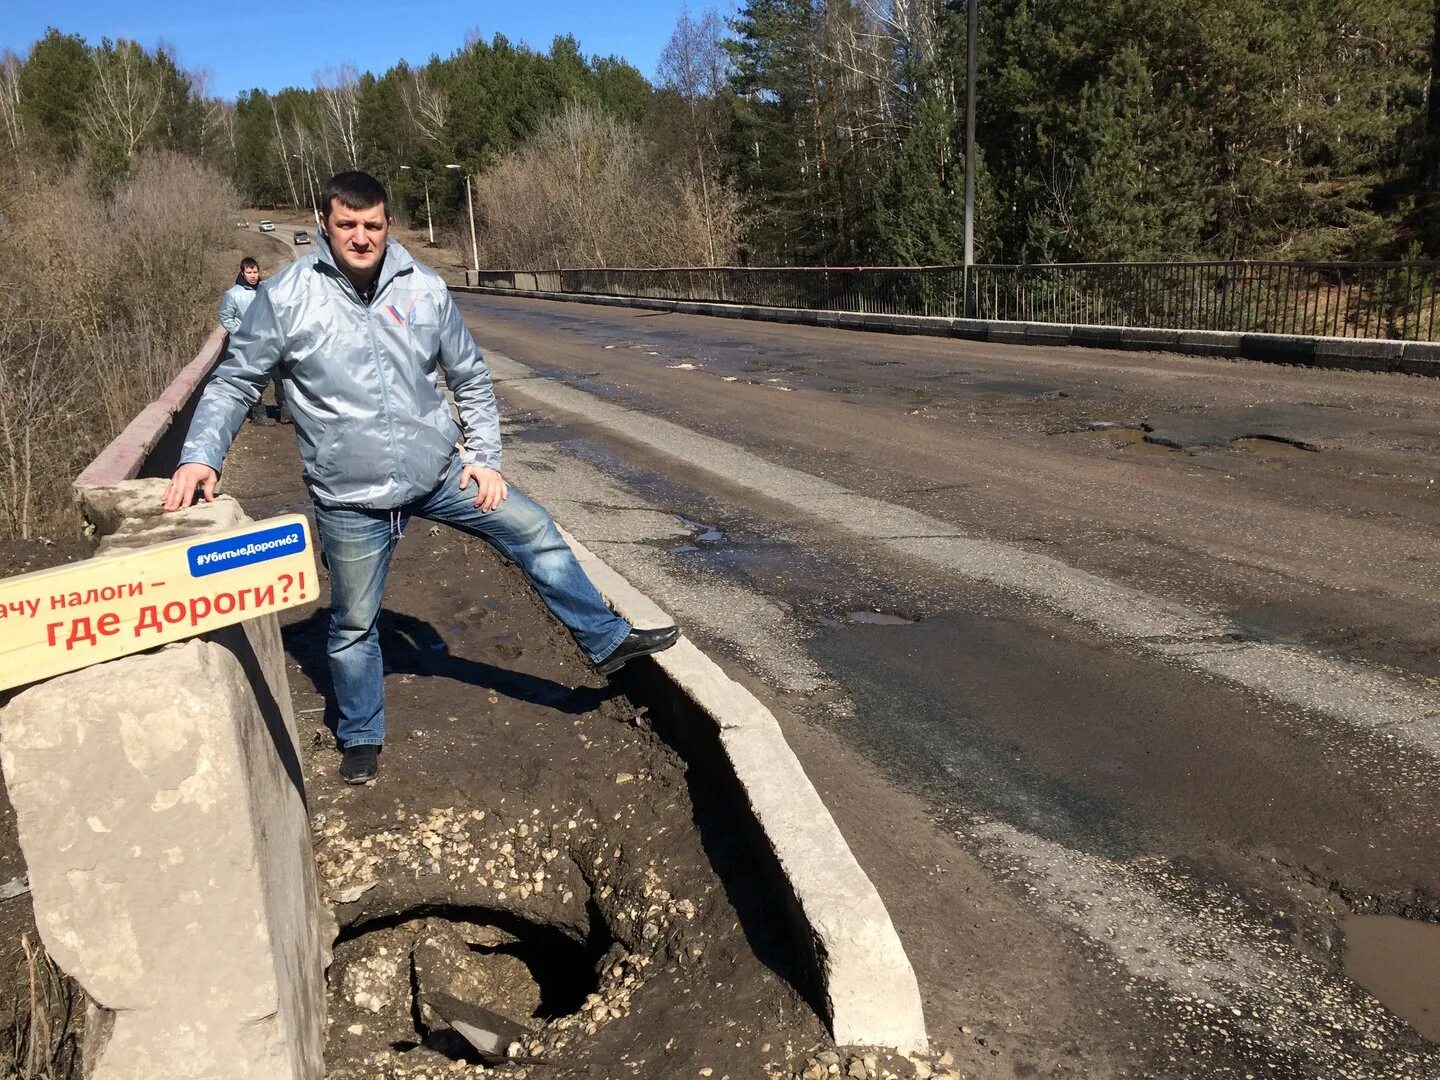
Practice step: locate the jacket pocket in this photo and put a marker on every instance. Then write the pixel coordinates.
(435, 442)
(353, 461)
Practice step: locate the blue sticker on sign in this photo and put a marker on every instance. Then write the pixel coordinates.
(254, 547)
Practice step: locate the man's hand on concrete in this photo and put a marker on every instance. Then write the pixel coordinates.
(493, 489)
(181, 491)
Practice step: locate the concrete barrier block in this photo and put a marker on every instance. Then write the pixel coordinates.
(870, 992)
(1419, 358)
(1208, 343)
(161, 814)
(851, 320)
(929, 325)
(1142, 338)
(1277, 348)
(1097, 337)
(1359, 355)
(1010, 333)
(128, 515)
(970, 329)
(1047, 333)
(827, 318)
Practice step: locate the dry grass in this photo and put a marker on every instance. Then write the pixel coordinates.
(41, 1040)
(101, 304)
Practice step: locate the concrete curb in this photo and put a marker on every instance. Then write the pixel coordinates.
(858, 963)
(128, 452)
(1352, 354)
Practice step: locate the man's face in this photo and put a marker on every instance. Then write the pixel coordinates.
(357, 237)
(252, 275)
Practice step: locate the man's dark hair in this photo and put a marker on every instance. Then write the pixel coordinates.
(355, 189)
(247, 263)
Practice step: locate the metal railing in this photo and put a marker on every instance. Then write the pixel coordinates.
(1385, 300)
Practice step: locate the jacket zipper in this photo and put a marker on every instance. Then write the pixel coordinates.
(369, 311)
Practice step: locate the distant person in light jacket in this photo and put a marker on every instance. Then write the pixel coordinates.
(233, 305)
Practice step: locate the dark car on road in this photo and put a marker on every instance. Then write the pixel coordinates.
(301, 237)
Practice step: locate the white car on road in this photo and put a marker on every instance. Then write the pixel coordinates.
(267, 225)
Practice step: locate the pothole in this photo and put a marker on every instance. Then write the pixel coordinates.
(468, 984)
(1130, 438)
(468, 937)
(704, 534)
(1274, 446)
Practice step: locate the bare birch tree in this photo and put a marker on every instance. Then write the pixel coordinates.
(426, 103)
(126, 97)
(694, 65)
(284, 153)
(12, 127)
(340, 92)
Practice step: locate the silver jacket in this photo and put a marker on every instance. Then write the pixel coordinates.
(234, 304)
(374, 427)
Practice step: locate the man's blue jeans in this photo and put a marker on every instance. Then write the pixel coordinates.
(358, 544)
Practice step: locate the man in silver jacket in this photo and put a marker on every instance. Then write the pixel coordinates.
(358, 330)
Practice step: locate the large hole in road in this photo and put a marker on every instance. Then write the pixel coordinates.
(426, 972)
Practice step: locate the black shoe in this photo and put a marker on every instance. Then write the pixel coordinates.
(360, 764)
(638, 643)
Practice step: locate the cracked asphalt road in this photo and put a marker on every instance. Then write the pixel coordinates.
(1123, 732)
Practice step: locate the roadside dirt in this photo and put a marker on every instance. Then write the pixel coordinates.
(530, 844)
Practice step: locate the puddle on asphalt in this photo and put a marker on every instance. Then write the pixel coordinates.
(1398, 961)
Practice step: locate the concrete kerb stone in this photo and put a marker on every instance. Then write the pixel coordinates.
(1351, 354)
(1097, 337)
(867, 982)
(1052, 334)
(1005, 333)
(1208, 343)
(1362, 355)
(1278, 349)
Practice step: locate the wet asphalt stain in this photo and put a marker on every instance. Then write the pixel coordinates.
(921, 695)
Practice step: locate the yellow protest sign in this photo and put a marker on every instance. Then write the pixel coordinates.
(70, 617)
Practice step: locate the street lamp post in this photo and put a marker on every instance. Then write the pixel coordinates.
(470, 205)
(429, 224)
(972, 43)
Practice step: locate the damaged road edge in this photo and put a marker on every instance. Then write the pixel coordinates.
(867, 985)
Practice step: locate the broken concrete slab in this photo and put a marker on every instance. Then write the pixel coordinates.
(495, 1037)
(446, 963)
(169, 855)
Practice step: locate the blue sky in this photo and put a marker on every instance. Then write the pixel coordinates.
(273, 45)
